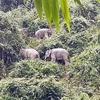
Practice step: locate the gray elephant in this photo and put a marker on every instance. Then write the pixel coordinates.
(23, 31)
(45, 32)
(58, 54)
(29, 54)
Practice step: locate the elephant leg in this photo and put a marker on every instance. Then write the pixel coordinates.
(53, 58)
(46, 35)
(66, 64)
(37, 57)
(66, 68)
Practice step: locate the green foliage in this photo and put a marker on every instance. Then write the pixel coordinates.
(79, 24)
(33, 90)
(65, 11)
(82, 96)
(55, 12)
(51, 10)
(20, 17)
(89, 11)
(98, 0)
(45, 80)
(11, 41)
(38, 4)
(6, 5)
(49, 90)
(85, 67)
(2, 70)
(37, 69)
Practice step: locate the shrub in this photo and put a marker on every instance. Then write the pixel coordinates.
(12, 4)
(49, 90)
(85, 67)
(89, 11)
(24, 90)
(11, 42)
(37, 69)
(78, 24)
(2, 70)
(20, 17)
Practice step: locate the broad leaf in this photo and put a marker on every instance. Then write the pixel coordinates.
(55, 12)
(98, 0)
(78, 1)
(47, 9)
(66, 13)
(38, 4)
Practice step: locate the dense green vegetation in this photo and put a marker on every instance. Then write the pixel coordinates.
(45, 80)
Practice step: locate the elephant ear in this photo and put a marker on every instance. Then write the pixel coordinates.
(49, 31)
(46, 35)
(69, 57)
(21, 50)
(48, 53)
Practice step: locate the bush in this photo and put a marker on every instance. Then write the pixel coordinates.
(12, 4)
(37, 69)
(49, 90)
(11, 42)
(24, 90)
(42, 80)
(85, 67)
(20, 17)
(89, 11)
(2, 70)
(78, 24)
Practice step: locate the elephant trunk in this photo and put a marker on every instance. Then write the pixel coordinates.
(45, 58)
(69, 58)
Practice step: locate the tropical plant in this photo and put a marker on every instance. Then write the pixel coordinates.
(51, 10)
(39, 69)
(98, 0)
(46, 89)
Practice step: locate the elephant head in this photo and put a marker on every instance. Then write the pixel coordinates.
(21, 53)
(49, 32)
(23, 31)
(48, 54)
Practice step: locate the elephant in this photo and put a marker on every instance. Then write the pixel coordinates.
(29, 54)
(58, 54)
(23, 31)
(45, 32)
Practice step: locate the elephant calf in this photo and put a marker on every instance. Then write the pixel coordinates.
(45, 32)
(29, 54)
(23, 31)
(58, 54)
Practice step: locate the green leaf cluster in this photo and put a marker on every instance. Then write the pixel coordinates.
(39, 69)
(51, 10)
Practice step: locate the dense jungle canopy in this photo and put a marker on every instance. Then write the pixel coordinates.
(42, 79)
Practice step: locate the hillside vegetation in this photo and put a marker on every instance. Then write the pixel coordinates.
(46, 80)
